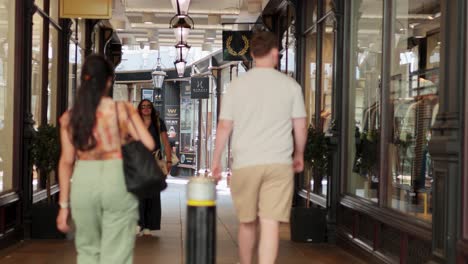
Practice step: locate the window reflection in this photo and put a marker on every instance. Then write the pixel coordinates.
(53, 70)
(414, 104)
(328, 47)
(364, 94)
(54, 9)
(39, 4)
(311, 18)
(7, 48)
(288, 55)
(36, 74)
(310, 76)
(36, 85)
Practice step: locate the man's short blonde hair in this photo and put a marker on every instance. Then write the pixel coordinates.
(262, 43)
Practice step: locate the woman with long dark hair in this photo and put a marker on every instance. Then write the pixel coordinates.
(91, 134)
(150, 208)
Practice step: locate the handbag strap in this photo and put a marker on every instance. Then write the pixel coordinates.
(118, 122)
(133, 123)
(158, 130)
(128, 117)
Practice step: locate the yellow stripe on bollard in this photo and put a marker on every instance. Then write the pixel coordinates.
(201, 203)
(200, 245)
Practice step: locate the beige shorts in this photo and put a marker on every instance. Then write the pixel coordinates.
(263, 191)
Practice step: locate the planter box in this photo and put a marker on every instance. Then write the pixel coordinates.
(308, 225)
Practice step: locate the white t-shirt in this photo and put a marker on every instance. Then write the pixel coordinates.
(262, 104)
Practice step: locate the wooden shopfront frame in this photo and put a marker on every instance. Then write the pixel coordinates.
(375, 229)
(16, 205)
(47, 22)
(462, 244)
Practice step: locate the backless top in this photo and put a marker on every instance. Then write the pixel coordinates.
(106, 131)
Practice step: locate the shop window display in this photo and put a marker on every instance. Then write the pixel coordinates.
(71, 73)
(36, 83)
(328, 46)
(414, 104)
(40, 3)
(364, 98)
(310, 76)
(7, 56)
(36, 78)
(44, 75)
(288, 54)
(206, 136)
(190, 124)
(188, 128)
(318, 93)
(329, 5)
(54, 9)
(312, 18)
(53, 71)
(310, 94)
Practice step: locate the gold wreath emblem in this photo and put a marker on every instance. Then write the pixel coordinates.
(243, 51)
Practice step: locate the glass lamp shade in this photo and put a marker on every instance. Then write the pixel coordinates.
(158, 77)
(181, 34)
(182, 51)
(180, 67)
(181, 29)
(181, 7)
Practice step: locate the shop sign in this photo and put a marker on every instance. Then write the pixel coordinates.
(172, 112)
(91, 9)
(187, 158)
(200, 88)
(172, 126)
(236, 45)
(147, 94)
(186, 90)
(186, 113)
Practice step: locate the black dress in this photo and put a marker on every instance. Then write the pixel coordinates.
(150, 208)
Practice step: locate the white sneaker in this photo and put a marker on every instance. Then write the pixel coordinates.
(139, 232)
(146, 231)
(153, 233)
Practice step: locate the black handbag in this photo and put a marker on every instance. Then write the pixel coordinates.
(142, 176)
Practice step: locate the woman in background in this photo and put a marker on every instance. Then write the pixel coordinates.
(150, 208)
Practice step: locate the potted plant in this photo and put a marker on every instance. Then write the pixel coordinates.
(308, 224)
(366, 159)
(45, 154)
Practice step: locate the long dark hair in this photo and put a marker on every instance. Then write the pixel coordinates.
(154, 113)
(94, 76)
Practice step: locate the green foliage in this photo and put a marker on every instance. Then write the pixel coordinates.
(45, 148)
(317, 150)
(367, 153)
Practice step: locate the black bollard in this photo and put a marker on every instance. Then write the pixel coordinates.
(201, 221)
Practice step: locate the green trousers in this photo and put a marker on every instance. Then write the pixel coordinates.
(105, 214)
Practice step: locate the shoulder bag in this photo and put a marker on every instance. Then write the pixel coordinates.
(160, 154)
(142, 176)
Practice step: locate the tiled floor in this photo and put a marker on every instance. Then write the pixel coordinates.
(168, 246)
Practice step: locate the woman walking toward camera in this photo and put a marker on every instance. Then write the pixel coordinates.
(91, 134)
(150, 208)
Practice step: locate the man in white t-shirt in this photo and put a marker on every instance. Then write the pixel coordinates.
(265, 111)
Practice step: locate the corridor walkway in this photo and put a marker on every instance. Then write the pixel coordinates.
(168, 246)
